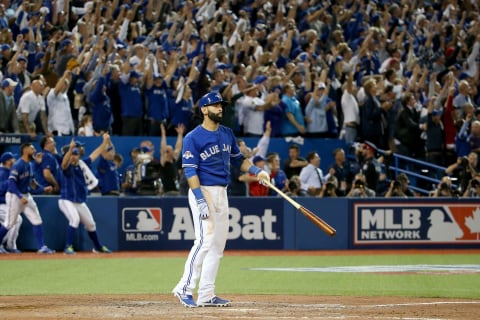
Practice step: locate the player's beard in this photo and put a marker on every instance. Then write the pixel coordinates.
(215, 117)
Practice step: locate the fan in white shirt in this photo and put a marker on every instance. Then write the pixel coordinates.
(31, 103)
(311, 176)
(59, 113)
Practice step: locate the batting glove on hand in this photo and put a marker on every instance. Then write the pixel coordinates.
(203, 208)
(262, 177)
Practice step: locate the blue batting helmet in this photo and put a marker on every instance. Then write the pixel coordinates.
(210, 99)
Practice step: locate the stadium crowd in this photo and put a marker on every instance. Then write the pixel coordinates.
(382, 74)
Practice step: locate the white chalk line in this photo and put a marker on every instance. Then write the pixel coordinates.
(410, 304)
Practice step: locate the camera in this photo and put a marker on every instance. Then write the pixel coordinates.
(444, 186)
(475, 183)
(330, 186)
(359, 184)
(397, 184)
(147, 175)
(292, 186)
(465, 161)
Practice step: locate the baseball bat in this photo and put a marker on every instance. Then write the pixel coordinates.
(320, 223)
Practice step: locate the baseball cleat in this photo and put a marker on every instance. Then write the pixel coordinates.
(45, 250)
(215, 302)
(103, 249)
(3, 250)
(186, 300)
(14, 251)
(69, 250)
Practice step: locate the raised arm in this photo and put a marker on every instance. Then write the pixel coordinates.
(97, 152)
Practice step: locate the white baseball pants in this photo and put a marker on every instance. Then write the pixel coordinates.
(15, 207)
(77, 212)
(10, 239)
(210, 239)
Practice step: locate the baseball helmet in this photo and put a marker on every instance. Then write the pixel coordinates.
(210, 99)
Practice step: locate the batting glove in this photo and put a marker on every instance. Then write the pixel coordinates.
(262, 177)
(203, 208)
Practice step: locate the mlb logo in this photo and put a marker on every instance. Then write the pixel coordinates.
(142, 219)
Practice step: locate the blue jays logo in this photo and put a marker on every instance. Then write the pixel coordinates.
(142, 219)
(187, 155)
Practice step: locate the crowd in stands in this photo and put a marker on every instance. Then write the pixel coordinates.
(387, 74)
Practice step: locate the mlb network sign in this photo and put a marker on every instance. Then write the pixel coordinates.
(409, 223)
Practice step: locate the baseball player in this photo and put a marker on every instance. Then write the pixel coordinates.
(18, 198)
(208, 151)
(73, 195)
(7, 159)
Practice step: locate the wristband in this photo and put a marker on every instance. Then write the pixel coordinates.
(254, 170)
(198, 194)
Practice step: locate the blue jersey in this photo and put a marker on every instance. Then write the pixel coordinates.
(157, 102)
(74, 187)
(107, 174)
(49, 161)
(131, 100)
(20, 178)
(182, 113)
(4, 173)
(280, 179)
(210, 153)
(101, 108)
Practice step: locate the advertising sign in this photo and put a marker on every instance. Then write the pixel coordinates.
(416, 223)
(166, 224)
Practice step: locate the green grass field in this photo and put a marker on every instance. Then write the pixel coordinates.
(159, 275)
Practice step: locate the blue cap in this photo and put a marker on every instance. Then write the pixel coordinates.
(140, 39)
(464, 75)
(211, 98)
(146, 149)
(39, 56)
(302, 56)
(7, 156)
(134, 74)
(75, 151)
(7, 82)
(194, 36)
(65, 43)
(258, 158)
(224, 66)
(436, 112)
(22, 58)
(5, 47)
(259, 79)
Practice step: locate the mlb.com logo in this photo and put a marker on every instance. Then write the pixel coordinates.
(142, 219)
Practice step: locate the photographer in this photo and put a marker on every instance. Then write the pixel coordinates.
(329, 189)
(294, 189)
(395, 190)
(464, 170)
(473, 190)
(360, 189)
(444, 188)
